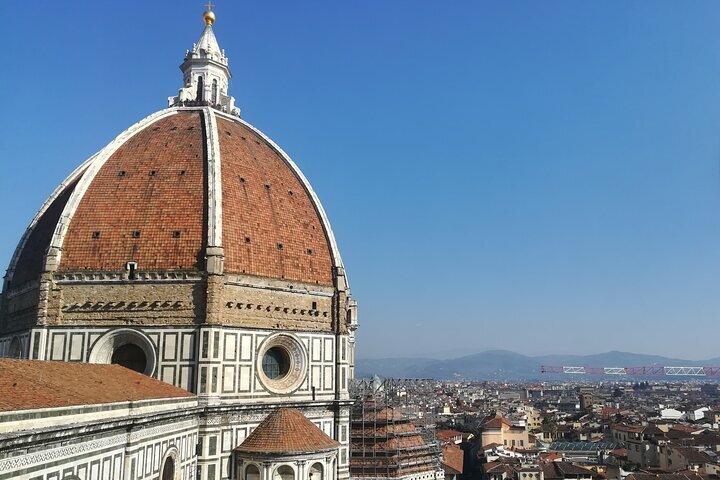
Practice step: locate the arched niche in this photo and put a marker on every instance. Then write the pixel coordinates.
(127, 347)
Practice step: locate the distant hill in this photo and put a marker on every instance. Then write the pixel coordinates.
(506, 365)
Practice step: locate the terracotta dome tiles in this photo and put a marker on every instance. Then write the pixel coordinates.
(150, 188)
(270, 225)
(148, 204)
(286, 430)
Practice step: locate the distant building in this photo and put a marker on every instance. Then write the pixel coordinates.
(586, 401)
(448, 436)
(453, 461)
(500, 430)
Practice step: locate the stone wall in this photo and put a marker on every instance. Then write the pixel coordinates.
(130, 303)
(127, 449)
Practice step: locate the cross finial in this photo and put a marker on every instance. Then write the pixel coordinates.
(209, 15)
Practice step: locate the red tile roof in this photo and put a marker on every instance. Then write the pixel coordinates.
(34, 384)
(565, 470)
(497, 422)
(621, 427)
(665, 476)
(286, 430)
(271, 207)
(490, 446)
(686, 428)
(453, 459)
(148, 203)
(551, 457)
(619, 452)
(447, 434)
(117, 204)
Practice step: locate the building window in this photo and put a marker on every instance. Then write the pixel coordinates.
(168, 469)
(214, 91)
(205, 344)
(216, 345)
(212, 445)
(284, 472)
(316, 472)
(281, 363)
(130, 356)
(199, 96)
(276, 363)
(252, 472)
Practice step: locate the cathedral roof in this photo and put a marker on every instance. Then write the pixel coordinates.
(286, 430)
(33, 384)
(178, 182)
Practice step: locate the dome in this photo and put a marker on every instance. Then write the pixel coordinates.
(286, 431)
(180, 182)
(190, 217)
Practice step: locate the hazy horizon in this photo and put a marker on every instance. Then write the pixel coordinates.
(527, 176)
(538, 355)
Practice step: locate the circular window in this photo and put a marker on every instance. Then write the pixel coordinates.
(282, 363)
(130, 356)
(276, 363)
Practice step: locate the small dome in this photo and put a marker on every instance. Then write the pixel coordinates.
(286, 430)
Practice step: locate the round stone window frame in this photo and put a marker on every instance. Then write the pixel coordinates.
(103, 349)
(297, 370)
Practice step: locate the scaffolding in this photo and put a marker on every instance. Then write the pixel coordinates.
(385, 441)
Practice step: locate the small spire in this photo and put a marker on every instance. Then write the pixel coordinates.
(206, 72)
(209, 15)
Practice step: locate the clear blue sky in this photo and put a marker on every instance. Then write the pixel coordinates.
(535, 176)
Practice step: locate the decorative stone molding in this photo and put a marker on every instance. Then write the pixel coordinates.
(274, 284)
(301, 312)
(214, 179)
(173, 453)
(121, 306)
(48, 456)
(114, 277)
(297, 368)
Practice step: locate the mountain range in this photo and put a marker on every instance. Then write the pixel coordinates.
(499, 365)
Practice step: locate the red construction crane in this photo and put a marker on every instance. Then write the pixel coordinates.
(647, 371)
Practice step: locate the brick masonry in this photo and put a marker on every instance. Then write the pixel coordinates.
(152, 187)
(270, 225)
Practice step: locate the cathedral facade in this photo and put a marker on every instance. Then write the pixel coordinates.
(193, 250)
